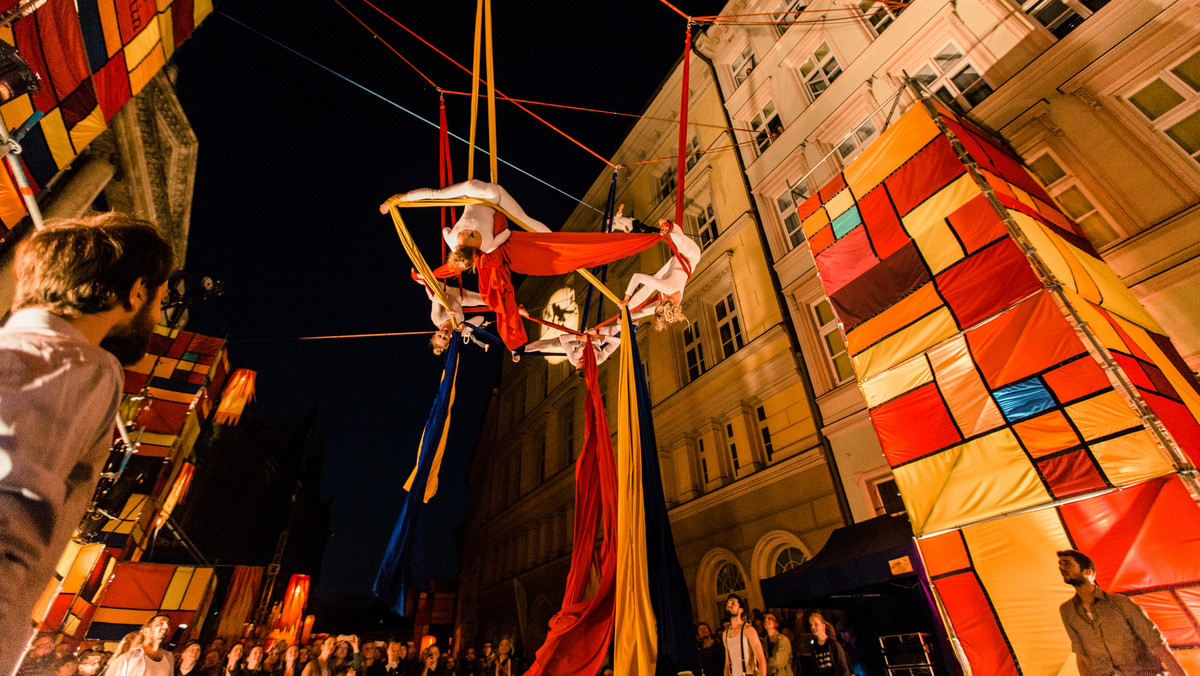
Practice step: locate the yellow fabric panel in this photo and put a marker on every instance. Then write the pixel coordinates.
(975, 480)
(839, 203)
(635, 642)
(157, 439)
(171, 395)
(122, 615)
(1131, 459)
(57, 138)
(6, 34)
(1049, 252)
(70, 624)
(913, 131)
(81, 568)
(12, 207)
(918, 303)
(198, 589)
(201, 9)
(1102, 415)
(904, 344)
(1144, 341)
(1097, 322)
(1014, 558)
(926, 224)
(166, 28)
(1047, 433)
(815, 222)
(1022, 196)
(15, 112)
(1189, 658)
(148, 68)
(108, 24)
(970, 402)
(43, 604)
(141, 45)
(896, 381)
(178, 587)
(67, 559)
(1083, 279)
(88, 128)
(1117, 298)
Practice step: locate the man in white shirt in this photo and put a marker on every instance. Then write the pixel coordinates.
(150, 658)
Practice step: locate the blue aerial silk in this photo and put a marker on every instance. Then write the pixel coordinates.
(677, 648)
(403, 564)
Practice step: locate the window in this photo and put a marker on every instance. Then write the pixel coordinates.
(729, 327)
(787, 202)
(666, 183)
(693, 151)
(888, 500)
(853, 144)
(831, 339)
(788, 559)
(820, 70)
(953, 79)
(703, 461)
(1072, 199)
(693, 349)
(786, 12)
(1171, 104)
(729, 580)
(706, 226)
(742, 66)
(1061, 16)
(540, 459)
(879, 14)
(764, 433)
(567, 415)
(767, 126)
(732, 447)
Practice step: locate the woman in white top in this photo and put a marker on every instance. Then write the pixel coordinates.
(669, 281)
(604, 341)
(743, 650)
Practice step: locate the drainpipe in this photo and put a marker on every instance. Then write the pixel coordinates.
(810, 394)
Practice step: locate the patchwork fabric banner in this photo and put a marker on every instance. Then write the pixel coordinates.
(136, 592)
(92, 57)
(970, 303)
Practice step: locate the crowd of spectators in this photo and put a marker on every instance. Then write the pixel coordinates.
(344, 655)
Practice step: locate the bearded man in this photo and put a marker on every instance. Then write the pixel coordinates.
(88, 295)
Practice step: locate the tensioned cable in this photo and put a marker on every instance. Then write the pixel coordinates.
(392, 103)
(348, 335)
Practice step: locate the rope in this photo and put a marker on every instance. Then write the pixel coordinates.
(385, 44)
(680, 167)
(676, 10)
(491, 80)
(474, 83)
(347, 335)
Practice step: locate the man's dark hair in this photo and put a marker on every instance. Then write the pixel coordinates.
(395, 639)
(84, 266)
(1085, 562)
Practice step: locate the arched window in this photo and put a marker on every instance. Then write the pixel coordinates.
(729, 580)
(787, 559)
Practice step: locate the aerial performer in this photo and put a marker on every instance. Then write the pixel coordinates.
(604, 341)
(440, 316)
(480, 228)
(668, 281)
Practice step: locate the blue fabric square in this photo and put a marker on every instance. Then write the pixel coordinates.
(1024, 399)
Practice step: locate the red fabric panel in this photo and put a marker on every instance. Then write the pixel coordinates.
(179, 345)
(981, 285)
(1179, 421)
(977, 224)
(1080, 378)
(821, 240)
(57, 612)
(1189, 597)
(62, 44)
(809, 207)
(927, 172)
(1025, 340)
(165, 417)
(1010, 202)
(843, 262)
(1071, 474)
(134, 382)
(832, 188)
(944, 553)
(882, 286)
(29, 45)
(133, 16)
(182, 20)
(78, 105)
(882, 223)
(138, 585)
(1133, 368)
(557, 253)
(1166, 612)
(1161, 384)
(901, 439)
(112, 86)
(580, 632)
(1141, 537)
(976, 626)
(202, 344)
(1168, 349)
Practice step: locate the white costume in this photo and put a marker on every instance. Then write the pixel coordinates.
(572, 346)
(438, 314)
(669, 279)
(478, 217)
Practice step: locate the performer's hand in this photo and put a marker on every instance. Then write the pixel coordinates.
(523, 311)
(664, 226)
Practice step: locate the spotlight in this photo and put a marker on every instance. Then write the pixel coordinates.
(16, 77)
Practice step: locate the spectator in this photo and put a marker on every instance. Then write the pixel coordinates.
(712, 654)
(88, 294)
(346, 652)
(468, 664)
(149, 658)
(505, 664)
(39, 660)
(430, 662)
(779, 652)
(291, 666)
(66, 668)
(189, 659)
(131, 640)
(320, 666)
(89, 663)
(254, 662)
(393, 662)
(212, 661)
(828, 653)
(233, 661)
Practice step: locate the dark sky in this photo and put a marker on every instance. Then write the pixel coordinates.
(293, 163)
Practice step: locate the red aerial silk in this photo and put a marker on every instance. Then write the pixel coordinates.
(581, 631)
(543, 254)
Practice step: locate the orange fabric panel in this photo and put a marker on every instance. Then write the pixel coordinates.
(970, 402)
(1048, 433)
(893, 148)
(1169, 616)
(918, 304)
(1077, 379)
(137, 585)
(1027, 339)
(944, 553)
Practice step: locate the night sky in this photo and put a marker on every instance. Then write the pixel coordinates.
(293, 164)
